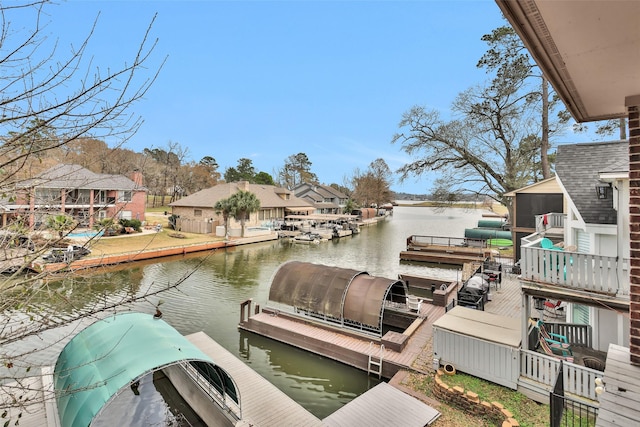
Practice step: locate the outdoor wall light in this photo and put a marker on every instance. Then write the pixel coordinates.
(599, 386)
(601, 189)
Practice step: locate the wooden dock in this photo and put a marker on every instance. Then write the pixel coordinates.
(441, 257)
(351, 349)
(263, 404)
(383, 405)
(338, 344)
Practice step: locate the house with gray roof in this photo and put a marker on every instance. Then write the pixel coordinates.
(196, 213)
(325, 199)
(580, 256)
(594, 178)
(80, 193)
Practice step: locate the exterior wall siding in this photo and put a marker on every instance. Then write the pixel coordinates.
(634, 226)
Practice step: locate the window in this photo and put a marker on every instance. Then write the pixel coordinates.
(100, 197)
(124, 196)
(47, 196)
(197, 212)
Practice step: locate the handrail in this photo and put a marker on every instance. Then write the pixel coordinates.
(223, 400)
(578, 380)
(590, 272)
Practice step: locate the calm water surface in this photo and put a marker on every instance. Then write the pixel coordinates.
(214, 286)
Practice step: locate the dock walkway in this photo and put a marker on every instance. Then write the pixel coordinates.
(417, 355)
(263, 404)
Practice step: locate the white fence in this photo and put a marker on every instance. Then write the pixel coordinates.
(578, 380)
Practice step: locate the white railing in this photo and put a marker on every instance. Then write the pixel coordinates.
(223, 400)
(550, 220)
(588, 272)
(578, 380)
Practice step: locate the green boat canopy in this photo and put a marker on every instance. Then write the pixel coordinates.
(111, 354)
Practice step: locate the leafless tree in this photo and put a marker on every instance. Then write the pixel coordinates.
(51, 99)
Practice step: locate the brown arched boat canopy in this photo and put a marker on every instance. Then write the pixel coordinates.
(349, 297)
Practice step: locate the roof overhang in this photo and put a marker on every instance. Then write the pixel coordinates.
(588, 50)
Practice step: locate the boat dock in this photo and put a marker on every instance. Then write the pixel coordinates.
(368, 353)
(262, 403)
(265, 405)
(446, 250)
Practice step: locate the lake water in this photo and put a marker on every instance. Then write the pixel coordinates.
(213, 286)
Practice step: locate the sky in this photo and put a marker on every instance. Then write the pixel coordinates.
(265, 80)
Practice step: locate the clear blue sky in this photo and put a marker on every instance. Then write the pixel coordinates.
(266, 79)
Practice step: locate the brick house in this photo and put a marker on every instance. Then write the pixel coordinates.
(86, 196)
(196, 212)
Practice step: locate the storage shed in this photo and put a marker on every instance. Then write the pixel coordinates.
(481, 344)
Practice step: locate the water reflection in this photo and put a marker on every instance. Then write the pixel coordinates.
(214, 284)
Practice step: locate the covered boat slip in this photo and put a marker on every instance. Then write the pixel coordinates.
(113, 357)
(343, 297)
(339, 313)
(491, 344)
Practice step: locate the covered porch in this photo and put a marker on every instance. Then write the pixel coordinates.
(537, 371)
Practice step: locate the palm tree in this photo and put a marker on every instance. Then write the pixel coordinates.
(226, 208)
(61, 223)
(244, 203)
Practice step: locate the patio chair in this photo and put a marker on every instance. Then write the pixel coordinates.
(555, 341)
(555, 351)
(546, 243)
(413, 303)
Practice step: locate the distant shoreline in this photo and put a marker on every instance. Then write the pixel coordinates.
(497, 208)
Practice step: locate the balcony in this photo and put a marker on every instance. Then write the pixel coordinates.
(551, 265)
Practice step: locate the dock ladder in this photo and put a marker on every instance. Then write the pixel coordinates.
(375, 362)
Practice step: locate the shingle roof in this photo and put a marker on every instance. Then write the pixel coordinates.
(267, 194)
(66, 176)
(325, 191)
(579, 166)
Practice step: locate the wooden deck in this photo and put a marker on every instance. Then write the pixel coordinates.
(354, 350)
(383, 405)
(263, 404)
(506, 298)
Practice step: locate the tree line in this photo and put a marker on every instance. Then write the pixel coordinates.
(170, 174)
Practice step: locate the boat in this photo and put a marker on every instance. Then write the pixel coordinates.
(308, 238)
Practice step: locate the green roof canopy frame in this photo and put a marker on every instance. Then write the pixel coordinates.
(109, 355)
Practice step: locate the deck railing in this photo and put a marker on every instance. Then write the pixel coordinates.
(575, 333)
(223, 399)
(417, 241)
(550, 220)
(578, 380)
(588, 272)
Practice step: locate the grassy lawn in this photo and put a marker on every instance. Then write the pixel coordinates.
(528, 412)
(146, 241)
